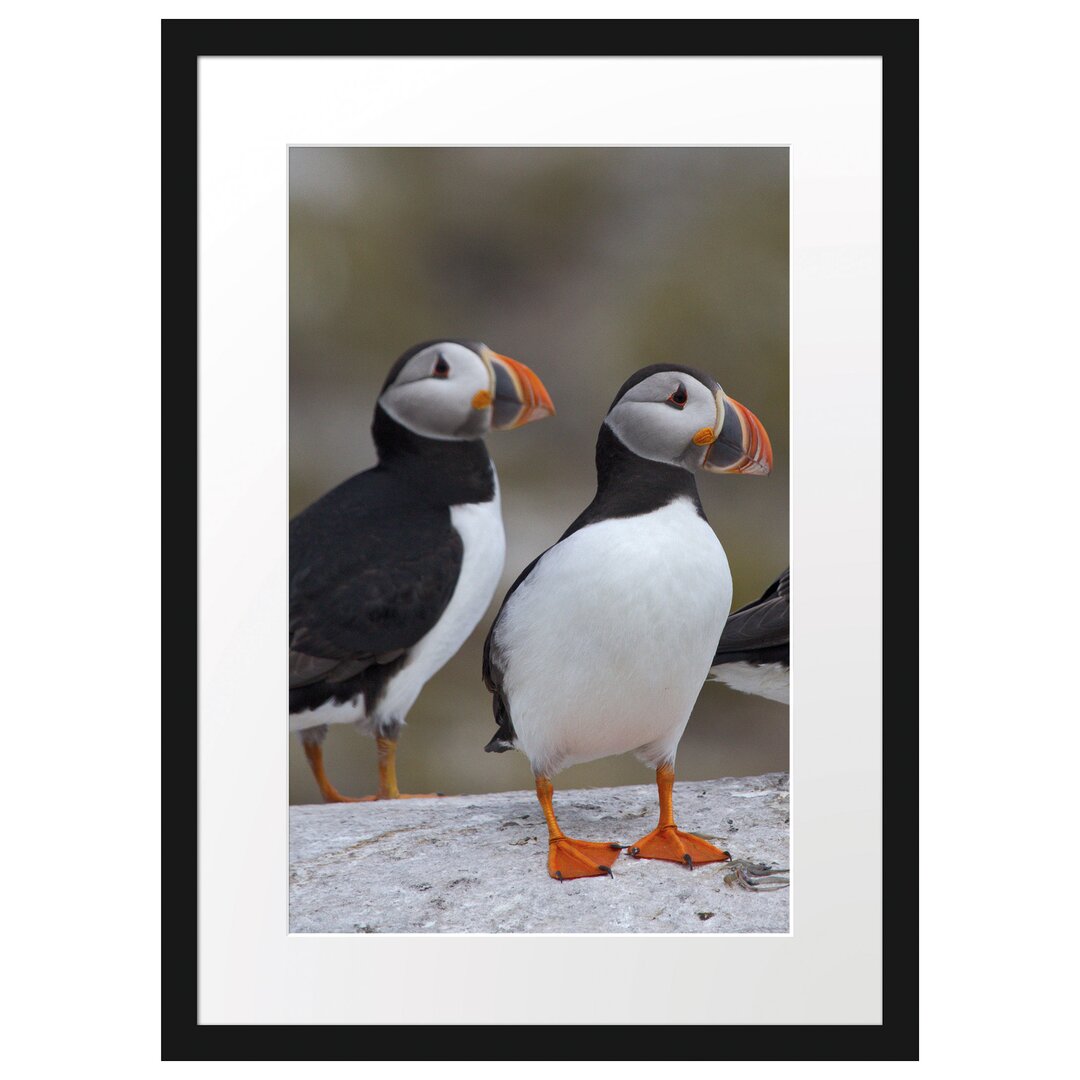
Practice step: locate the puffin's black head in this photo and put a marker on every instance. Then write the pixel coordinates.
(460, 390)
(681, 416)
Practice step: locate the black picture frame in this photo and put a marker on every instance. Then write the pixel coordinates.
(183, 42)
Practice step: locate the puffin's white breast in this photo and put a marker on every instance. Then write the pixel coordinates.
(606, 645)
(480, 526)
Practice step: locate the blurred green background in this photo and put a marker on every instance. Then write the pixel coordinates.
(585, 264)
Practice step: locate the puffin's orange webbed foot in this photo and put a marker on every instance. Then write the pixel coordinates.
(672, 845)
(580, 858)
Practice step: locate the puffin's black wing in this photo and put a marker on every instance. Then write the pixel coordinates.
(758, 632)
(371, 572)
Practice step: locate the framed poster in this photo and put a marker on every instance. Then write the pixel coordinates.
(815, 117)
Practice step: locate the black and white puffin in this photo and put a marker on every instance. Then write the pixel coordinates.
(604, 642)
(390, 571)
(753, 654)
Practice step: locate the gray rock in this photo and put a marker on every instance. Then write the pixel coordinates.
(478, 863)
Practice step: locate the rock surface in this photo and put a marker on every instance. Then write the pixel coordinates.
(478, 863)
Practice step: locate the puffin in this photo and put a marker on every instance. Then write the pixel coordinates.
(391, 571)
(752, 655)
(604, 641)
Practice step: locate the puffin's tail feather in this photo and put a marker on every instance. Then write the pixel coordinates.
(505, 737)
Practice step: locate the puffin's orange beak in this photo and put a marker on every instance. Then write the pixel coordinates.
(519, 395)
(741, 443)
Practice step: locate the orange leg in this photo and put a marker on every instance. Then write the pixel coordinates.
(313, 750)
(572, 858)
(666, 841)
(388, 789)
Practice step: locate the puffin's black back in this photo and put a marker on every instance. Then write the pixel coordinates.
(374, 562)
(758, 633)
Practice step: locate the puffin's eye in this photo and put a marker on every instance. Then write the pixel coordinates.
(441, 369)
(677, 397)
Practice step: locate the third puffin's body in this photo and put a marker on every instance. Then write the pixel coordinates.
(753, 652)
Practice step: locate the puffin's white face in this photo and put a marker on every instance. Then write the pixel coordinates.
(449, 390)
(681, 418)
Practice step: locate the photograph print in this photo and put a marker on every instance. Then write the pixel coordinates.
(539, 540)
